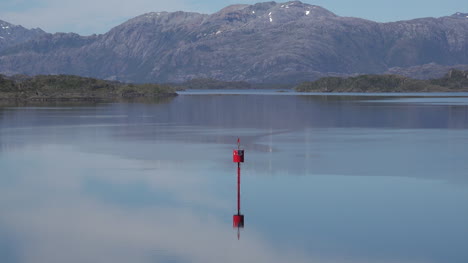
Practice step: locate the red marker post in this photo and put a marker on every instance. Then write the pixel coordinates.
(238, 157)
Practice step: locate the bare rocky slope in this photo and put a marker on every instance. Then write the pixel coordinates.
(265, 43)
(11, 35)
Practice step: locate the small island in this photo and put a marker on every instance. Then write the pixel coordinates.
(75, 88)
(453, 81)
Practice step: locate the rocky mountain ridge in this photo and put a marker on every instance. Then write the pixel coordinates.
(11, 35)
(265, 43)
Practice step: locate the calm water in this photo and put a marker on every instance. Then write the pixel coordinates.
(326, 179)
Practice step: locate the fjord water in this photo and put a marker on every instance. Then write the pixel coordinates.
(326, 179)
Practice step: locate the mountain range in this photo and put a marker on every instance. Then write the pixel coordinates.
(262, 43)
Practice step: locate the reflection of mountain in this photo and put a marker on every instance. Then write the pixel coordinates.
(70, 117)
(298, 128)
(321, 111)
(281, 113)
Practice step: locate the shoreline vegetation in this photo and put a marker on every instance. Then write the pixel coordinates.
(75, 88)
(453, 81)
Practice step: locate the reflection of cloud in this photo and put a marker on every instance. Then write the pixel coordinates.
(53, 218)
(89, 232)
(57, 222)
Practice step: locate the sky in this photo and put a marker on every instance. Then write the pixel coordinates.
(88, 17)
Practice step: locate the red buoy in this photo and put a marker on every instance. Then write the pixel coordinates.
(238, 219)
(238, 156)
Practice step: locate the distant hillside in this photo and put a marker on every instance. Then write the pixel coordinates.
(65, 87)
(453, 81)
(266, 42)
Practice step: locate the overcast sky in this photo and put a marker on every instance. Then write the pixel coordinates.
(98, 16)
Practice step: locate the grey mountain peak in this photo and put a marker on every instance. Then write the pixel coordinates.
(11, 35)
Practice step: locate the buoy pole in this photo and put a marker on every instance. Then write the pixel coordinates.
(238, 188)
(238, 219)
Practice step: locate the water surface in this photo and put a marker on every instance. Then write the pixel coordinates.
(327, 178)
